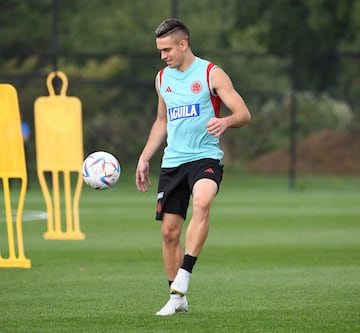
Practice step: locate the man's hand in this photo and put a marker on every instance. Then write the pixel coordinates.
(217, 126)
(142, 176)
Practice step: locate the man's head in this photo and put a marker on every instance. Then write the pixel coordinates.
(173, 41)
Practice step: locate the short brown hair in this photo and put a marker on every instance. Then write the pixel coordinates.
(171, 25)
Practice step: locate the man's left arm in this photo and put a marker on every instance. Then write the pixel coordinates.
(224, 88)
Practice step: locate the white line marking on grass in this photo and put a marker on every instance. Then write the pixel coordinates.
(28, 216)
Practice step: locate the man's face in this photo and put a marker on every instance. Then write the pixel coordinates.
(171, 50)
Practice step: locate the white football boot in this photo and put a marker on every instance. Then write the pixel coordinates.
(176, 303)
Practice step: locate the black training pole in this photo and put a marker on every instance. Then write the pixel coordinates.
(293, 124)
(174, 8)
(55, 35)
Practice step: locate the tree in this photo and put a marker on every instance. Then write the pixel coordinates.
(313, 31)
(107, 49)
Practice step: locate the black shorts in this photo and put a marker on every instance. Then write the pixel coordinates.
(176, 184)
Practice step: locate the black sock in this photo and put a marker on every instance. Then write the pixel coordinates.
(189, 262)
(170, 282)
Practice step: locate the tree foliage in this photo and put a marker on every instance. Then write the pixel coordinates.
(107, 49)
(313, 31)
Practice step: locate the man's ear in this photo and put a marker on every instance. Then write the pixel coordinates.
(184, 44)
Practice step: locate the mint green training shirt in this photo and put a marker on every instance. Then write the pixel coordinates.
(190, 104)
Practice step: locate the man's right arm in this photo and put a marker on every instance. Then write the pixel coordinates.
(156, 138)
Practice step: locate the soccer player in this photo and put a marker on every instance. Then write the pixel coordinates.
(190, 91)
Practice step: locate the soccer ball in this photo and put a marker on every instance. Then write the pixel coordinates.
(101, 170)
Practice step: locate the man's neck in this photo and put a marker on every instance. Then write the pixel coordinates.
(187, 62)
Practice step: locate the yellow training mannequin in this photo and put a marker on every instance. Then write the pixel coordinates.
(12, 165)
(59, 150)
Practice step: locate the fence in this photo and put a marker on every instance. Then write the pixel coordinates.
(119, 101)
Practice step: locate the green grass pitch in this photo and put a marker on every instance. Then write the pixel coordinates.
(275, 261)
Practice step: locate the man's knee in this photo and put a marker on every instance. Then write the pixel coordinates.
(171, 228)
